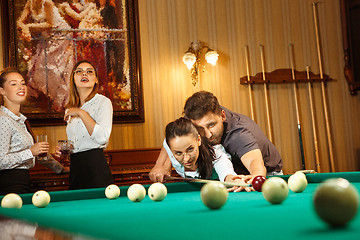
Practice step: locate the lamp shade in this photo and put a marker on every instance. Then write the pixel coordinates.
(211, 57)
(189, 59)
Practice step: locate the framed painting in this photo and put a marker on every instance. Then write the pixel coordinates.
(350, 17)
(45, 38)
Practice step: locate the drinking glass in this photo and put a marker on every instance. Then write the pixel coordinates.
(66, 147)
(41, 138)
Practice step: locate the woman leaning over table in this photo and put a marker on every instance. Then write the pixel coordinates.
(192, 155)
(89, 123)
(17, 148)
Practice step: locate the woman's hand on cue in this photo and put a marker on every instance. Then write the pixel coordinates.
(239, 179)
(159, 174)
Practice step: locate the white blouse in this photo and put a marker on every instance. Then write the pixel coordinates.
(15, 141)
(222, 165)
(101, 110)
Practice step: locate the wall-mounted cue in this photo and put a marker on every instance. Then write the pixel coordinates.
(249, 84)
(316, 146)
(327, 123)
(292, 61)
(265, 93)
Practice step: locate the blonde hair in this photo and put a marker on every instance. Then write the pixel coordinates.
(74, 98)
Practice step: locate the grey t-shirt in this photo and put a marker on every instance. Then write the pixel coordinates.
(241, 135)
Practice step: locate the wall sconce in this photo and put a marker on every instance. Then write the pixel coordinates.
(192, 59)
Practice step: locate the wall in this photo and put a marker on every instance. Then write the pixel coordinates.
(167, 27)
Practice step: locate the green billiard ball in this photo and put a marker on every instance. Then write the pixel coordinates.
(214, 195)
(157, 191)
(336, 201)
(112, 191)
(297, 182)
(275, 190)
(41, 199)
(136, 192)
(11, 200)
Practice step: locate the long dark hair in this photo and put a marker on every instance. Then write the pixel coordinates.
(183, 127)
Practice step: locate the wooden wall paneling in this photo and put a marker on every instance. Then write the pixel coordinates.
(168, 27)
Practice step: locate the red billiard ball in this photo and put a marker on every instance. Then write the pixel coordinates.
(257, 182)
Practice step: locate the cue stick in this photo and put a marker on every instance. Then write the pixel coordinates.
(292, 61)
(248, 78)
(196, 180)
(265, 92)
(316, 146)
(327, 124)
(306, 171)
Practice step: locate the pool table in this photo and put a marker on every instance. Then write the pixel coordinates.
(182, 215)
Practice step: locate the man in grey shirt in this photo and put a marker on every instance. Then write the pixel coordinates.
(242, 135)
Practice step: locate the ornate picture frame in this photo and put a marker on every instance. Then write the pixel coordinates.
(45, 38)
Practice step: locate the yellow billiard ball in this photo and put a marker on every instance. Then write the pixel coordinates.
(41, 199)
(214, 195)
(112, 191)
(136, 192)
(275, 190)
(336, 201)
(297, 182)
(157, 191)
(11, 200)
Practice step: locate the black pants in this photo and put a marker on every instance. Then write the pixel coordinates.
(89, 169)
(14, 181)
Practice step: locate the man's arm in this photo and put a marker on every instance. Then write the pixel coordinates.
(254, 163)
(162, 167)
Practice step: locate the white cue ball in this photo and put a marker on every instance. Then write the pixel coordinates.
(11, 200)
(157, 191)
(112, 191)
(214, 195)
(136, 192)
(336, 201)
(275, 190)
(41, 199)
(297, 182)
(301, 174)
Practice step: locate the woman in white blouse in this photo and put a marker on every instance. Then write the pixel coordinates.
(17, 148)
(89, 122)
(192, 156)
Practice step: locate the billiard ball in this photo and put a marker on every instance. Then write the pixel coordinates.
(157, 191)
(11, 200)
(136, 192)
(257, 182)
(275, 190)
(297, 182)
(214, 195)
(112, 191)
(301, 174)
(336, 201)
(41, 199)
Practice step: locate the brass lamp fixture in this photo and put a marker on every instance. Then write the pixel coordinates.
(193, 61)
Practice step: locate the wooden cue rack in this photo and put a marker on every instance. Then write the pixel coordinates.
(284, 75)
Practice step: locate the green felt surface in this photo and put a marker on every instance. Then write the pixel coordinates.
(182, 215)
